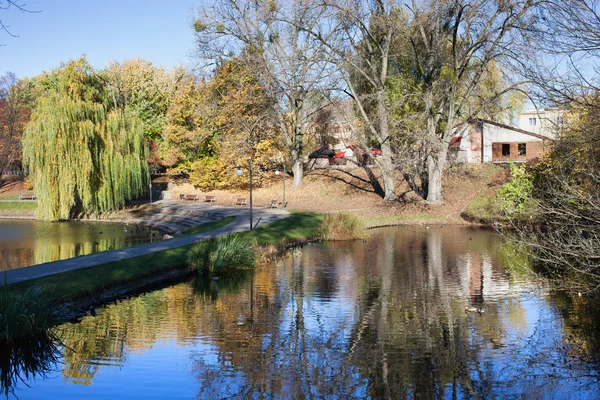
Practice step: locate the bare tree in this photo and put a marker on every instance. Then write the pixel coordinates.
(6, 5)
(357, 37)
(563, 64)
(454, 43)
(286, 60)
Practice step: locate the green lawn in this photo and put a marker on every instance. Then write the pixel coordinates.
(209, 226)
(91, 281)
(18, 205)
(9, 196)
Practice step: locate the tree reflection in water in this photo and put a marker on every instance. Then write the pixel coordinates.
(381, 319)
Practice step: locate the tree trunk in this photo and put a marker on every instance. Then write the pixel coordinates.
(435, 168)
(385, 160)
(387, 172)
(297, 169)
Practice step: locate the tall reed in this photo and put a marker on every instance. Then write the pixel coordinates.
(217, 255)
(342, 226)
(29, 345)
(24, 314)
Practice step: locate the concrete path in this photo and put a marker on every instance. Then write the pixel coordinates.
(261, 216)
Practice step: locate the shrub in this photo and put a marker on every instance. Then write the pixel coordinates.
(217, 255)
(515, 197)
(342, 226)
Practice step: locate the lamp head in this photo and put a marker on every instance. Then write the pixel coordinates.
(277, 172)
(239, 172)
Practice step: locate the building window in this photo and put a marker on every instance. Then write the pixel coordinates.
(522, 149)
(506, 149)
(532, 121)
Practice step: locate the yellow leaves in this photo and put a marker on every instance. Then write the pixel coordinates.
(199, 26)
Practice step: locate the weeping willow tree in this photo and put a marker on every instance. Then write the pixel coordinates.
(84, 148)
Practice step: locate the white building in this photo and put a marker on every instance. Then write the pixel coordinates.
(482, 141)
(543, 122)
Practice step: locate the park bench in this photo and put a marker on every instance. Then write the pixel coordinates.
(193, 197)
(276, 204)
(272, 204)
(240, 201)
(209, 199)
(27, 196)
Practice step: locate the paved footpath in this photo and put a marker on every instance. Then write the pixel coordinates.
(260, 217)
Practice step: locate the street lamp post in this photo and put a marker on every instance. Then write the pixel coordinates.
(239, 172)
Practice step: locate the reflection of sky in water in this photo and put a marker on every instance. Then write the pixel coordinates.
(381, 318)
(24, 243)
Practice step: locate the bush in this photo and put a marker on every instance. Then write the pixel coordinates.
(217, 255)
(515, 195)
(342, 226)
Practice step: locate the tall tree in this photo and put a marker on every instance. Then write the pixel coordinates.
(454, 44)
(357, 37)
(285, 59)
(85, 151)
(244, 129)
(15, 108)
(190, 133)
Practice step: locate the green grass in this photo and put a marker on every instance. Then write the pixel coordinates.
(24, 315)
(18, 205)
(91, 281)
(206, 227)
(298, 226)
(222, 254)
(9, 196)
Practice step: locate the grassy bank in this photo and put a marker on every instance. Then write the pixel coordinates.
(87, 282)
(18, 205)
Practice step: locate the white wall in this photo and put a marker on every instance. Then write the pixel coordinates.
(496, 134)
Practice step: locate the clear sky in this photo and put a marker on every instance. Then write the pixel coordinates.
(104, 30)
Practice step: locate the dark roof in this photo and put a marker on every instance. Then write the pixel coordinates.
(323, 152)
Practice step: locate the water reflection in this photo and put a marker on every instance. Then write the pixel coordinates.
(24, 243)
(380, 319)
(22, 362)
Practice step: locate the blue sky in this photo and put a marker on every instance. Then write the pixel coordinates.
(158, 31)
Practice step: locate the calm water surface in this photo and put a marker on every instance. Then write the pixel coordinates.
(24, 243)
(383, 318)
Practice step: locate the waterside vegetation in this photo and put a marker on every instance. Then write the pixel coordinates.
(94, 281)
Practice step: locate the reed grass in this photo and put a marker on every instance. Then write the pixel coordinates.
(24, 314)
(342, 226)
(218, 255)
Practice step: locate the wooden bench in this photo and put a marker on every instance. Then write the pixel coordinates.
(27, 196)
(240, 201)
(193, 197)
(209, 199)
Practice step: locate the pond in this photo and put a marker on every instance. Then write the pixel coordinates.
(383, 318)
(26, 242)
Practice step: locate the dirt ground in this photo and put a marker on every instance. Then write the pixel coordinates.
(328, 191)
(334, 190)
